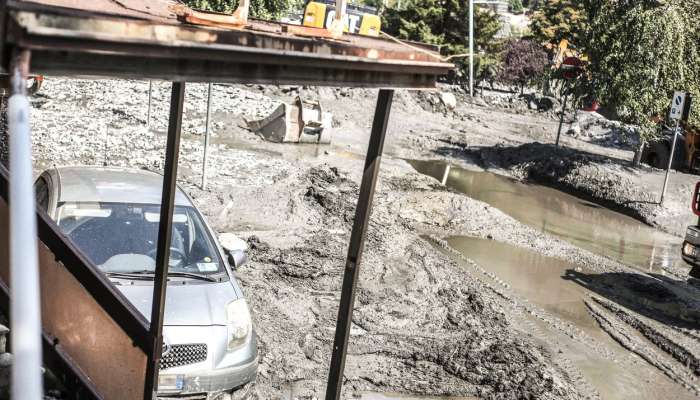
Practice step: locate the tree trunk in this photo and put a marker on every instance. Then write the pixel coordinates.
(637, 159)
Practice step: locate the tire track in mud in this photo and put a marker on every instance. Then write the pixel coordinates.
(623, 335)
(626, 336)
(523, 304)
(534, 329)
(623, 327)
(526, 312)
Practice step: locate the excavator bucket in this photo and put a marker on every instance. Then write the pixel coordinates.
(295, 123)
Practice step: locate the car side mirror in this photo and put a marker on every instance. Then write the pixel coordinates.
(237, 258)
(235, 248)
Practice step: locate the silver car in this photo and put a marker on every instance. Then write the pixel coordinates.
(112, 215)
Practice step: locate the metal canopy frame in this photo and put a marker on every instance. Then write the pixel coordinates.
(64, 42)
(78, 42)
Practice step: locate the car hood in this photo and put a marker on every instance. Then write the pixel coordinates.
(192, 304)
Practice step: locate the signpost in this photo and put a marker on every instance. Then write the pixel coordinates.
(571, 68)
(680, 109)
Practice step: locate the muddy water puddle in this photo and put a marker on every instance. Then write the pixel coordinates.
(545, 282)
(577, 221)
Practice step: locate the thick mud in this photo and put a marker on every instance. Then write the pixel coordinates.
(550, 284)
(419, 324)
(396, 396)
(425, 323)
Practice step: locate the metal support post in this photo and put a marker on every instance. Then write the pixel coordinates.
(164, 236)
(25, 306)
(357, 238)
(471, 48)
(207, 132)
(670, 161)
(446, 174)
(150, 98)
(561, 118)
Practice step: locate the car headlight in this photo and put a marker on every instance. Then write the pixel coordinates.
(239, 323)
(688, 249)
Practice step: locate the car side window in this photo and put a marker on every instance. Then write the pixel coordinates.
(41, 190)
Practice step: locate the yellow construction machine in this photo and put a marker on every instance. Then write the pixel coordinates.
(358, 19)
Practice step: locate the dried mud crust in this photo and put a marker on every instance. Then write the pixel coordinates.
(420, 323)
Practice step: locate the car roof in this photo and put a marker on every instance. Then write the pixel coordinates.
(111, 185)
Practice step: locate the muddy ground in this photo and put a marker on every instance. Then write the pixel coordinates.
(428, 320)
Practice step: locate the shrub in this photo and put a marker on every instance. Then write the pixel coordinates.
(524, 61)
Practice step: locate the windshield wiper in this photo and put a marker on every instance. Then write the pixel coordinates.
(131, 275)
(146, 274)
(193, 276)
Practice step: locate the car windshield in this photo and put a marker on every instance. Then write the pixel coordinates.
(121, 238)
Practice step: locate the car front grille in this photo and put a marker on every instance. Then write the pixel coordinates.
(183, 354)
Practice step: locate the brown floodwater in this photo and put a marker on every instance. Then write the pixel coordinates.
(577, 221)
(541, 280)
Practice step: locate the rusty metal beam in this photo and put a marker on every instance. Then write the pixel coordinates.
(68, 45)
(70, 64)
(165, 226)
(357, 240)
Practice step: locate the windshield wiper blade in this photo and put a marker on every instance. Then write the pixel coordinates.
(131, 275)
(193, 276)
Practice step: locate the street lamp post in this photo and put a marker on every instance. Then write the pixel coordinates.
(471, 48)
(471, 40)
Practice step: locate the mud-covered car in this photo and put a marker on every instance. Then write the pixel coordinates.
(112, 215)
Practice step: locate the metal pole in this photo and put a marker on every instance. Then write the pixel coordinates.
(25, 309)
(164, 236)
(357, 238)
(670, 162)
(207, 131)
(150, 96)
(446, 174)
(471, 48)
(561, 119)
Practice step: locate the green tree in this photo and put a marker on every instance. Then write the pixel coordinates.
(444, 23)
(516, 6)
(559, 19)
(640, 52)
(263, 9)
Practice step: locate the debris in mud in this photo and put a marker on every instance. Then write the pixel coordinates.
(333, 192)
(295, 123)
(595, 128)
